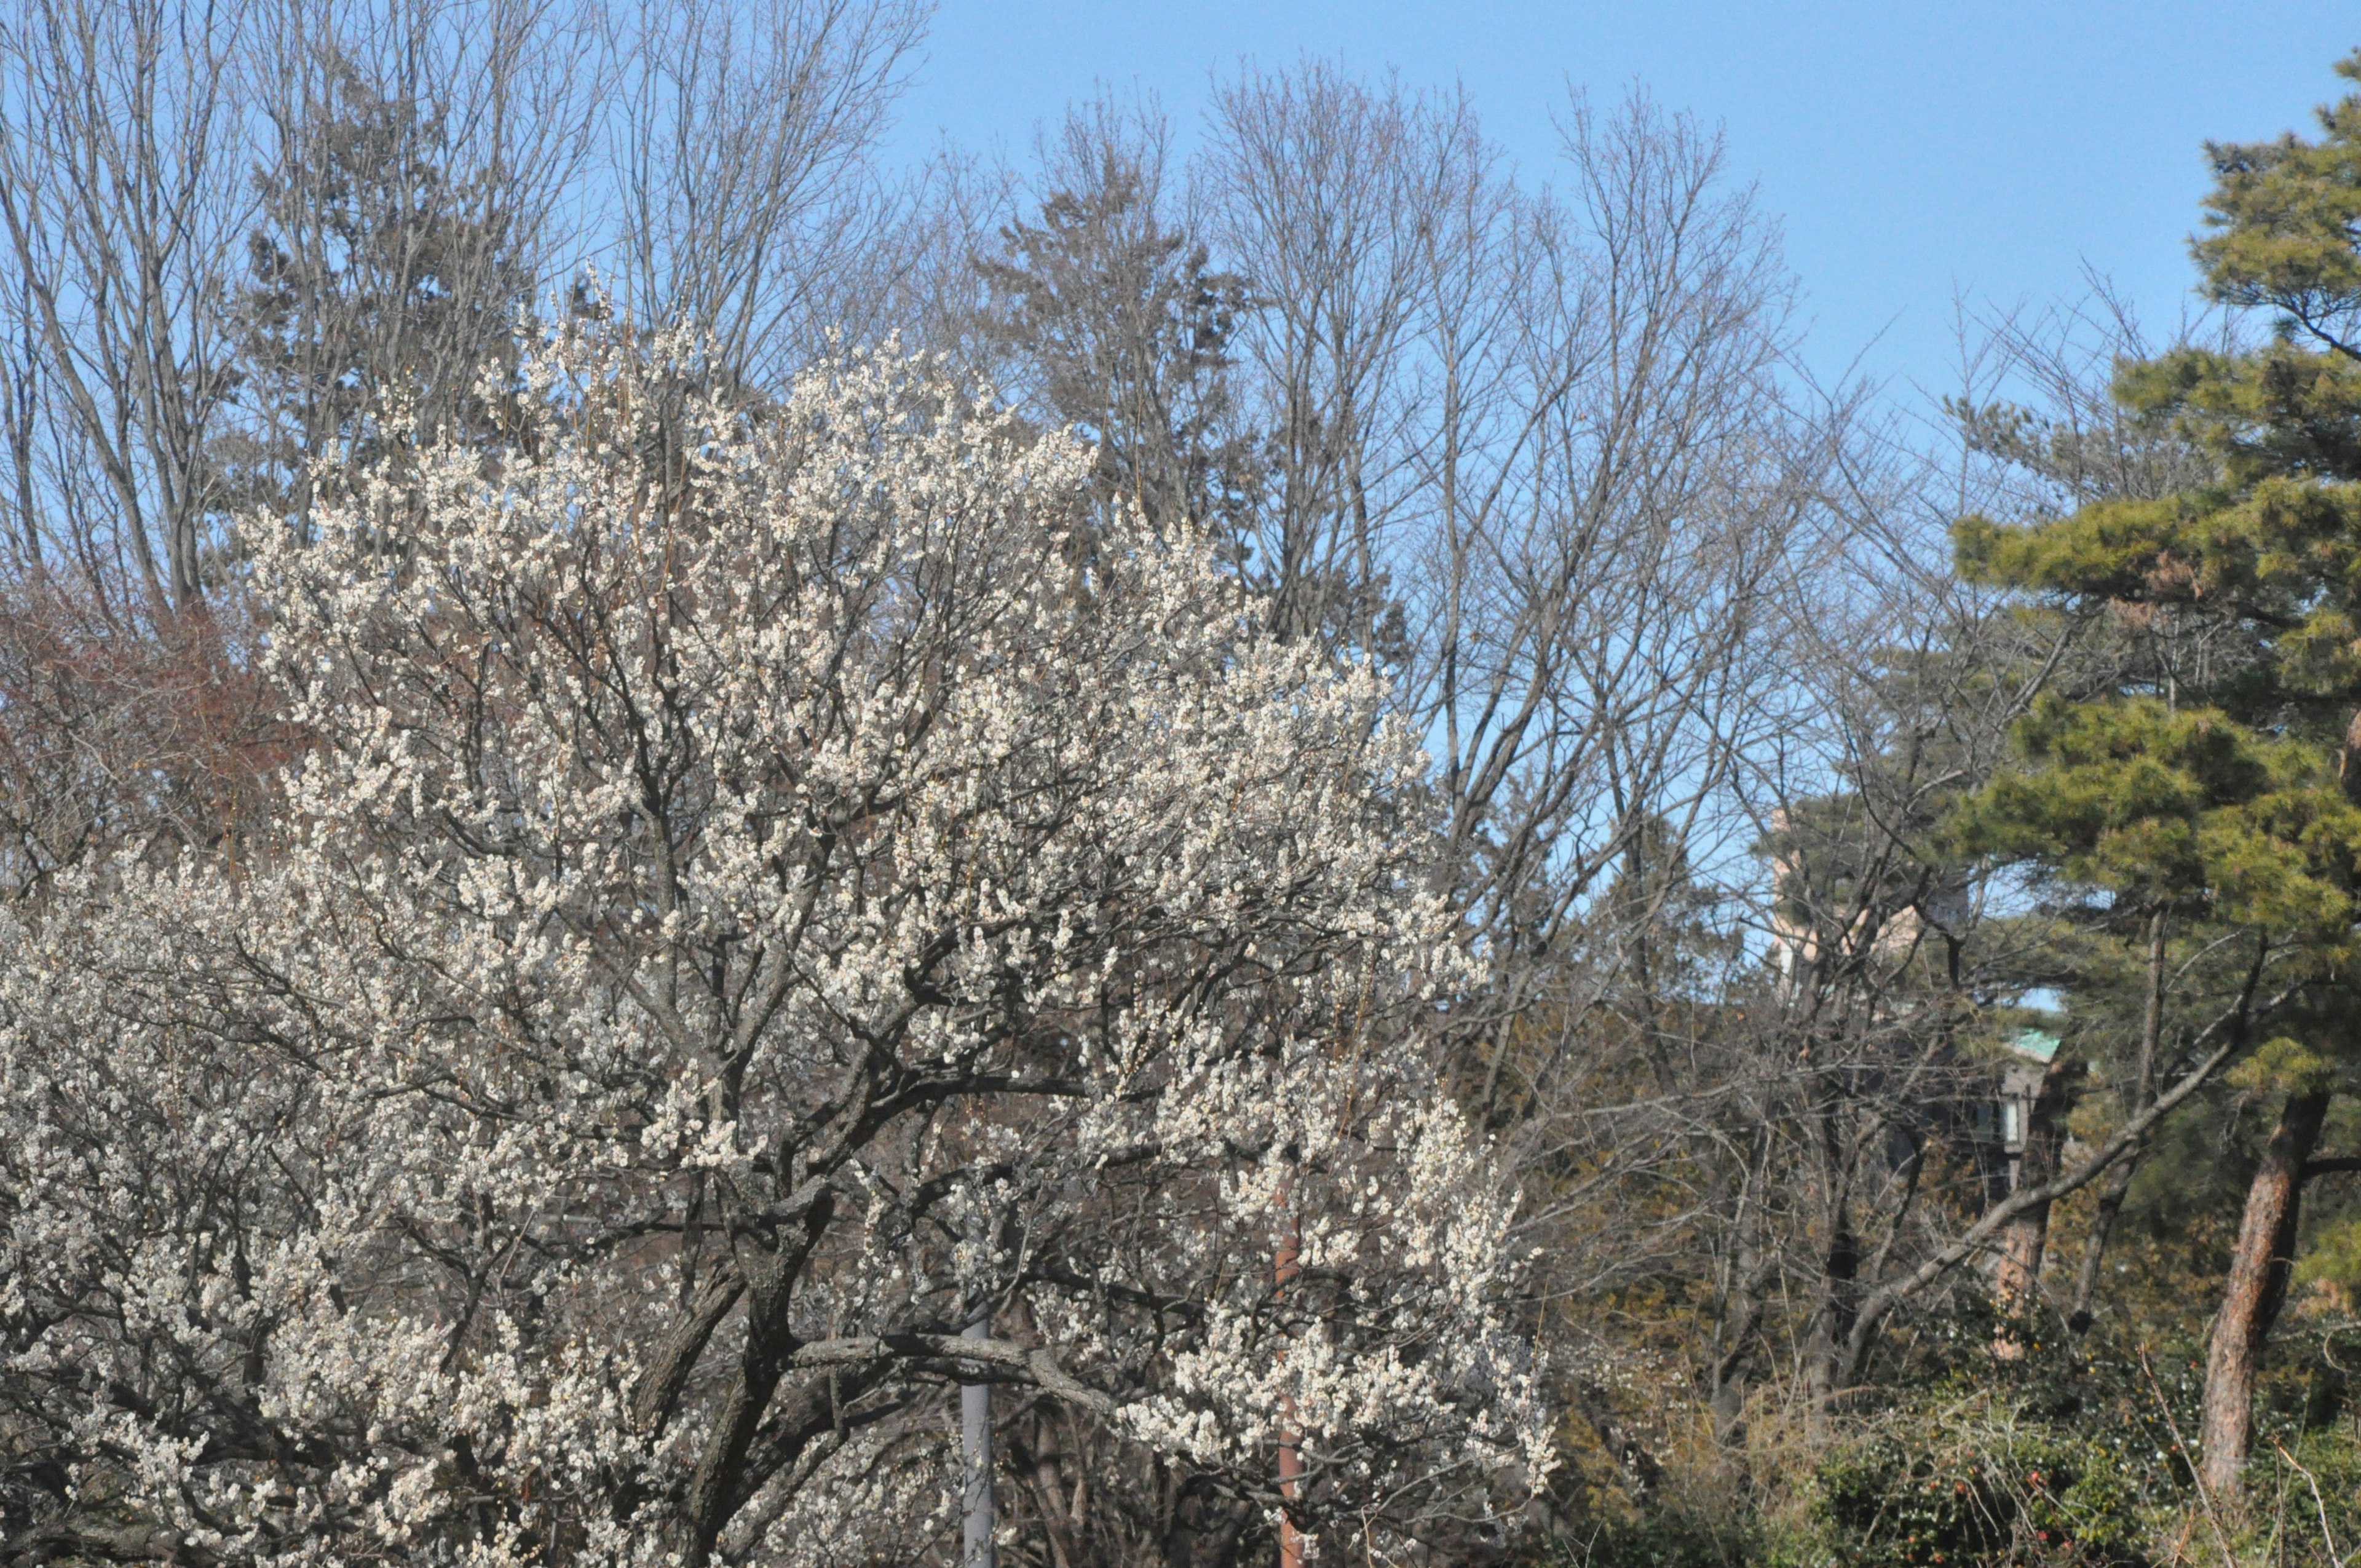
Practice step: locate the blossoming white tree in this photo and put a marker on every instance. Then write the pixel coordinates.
(761, 895)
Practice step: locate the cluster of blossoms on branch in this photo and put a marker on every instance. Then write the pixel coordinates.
(762, 892)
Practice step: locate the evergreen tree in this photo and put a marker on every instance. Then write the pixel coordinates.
(1122, 326)
(2213, 776)
(386, 275)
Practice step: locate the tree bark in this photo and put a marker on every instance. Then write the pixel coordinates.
(2253, 1294)
(770, 1341)
(1732, 1366)
(1833, 1318)
(2080, 1314)
(1061, 1512)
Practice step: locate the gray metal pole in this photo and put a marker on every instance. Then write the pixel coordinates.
(975, 1449)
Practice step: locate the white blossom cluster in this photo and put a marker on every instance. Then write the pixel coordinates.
(763, 890)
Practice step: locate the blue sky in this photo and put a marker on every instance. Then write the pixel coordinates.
(1913, 152)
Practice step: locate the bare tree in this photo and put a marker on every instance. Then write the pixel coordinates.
(738, 156)
(1308, 188)
(1614, 492)
(1531, 452)
(123, 195)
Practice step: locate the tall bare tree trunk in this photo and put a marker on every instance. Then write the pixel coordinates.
(1832, 1322)
(1738, 1337)
(2119, 1183)
(2251, 1298)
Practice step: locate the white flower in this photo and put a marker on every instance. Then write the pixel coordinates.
(758, 893)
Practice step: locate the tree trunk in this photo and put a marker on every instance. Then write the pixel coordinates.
(769, 1342)
(713, 1489)
(2252, 1296)
(1059, 1513)
(2079, 1315)
(1832, 1321)
(1732, 1366)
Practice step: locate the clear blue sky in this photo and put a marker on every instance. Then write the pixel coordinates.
(1912, 149)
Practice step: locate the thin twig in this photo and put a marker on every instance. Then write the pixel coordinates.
(2327, 1536)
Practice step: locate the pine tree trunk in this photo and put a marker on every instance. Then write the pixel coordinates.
(2082, 1312)
(2252, 1296)
(2119, 1183)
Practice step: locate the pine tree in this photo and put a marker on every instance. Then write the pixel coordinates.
(2213, 776)
(386, 275)
(1123, 326)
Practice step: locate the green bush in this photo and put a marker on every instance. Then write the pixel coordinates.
(1666, 1535)
(1971, 1483)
